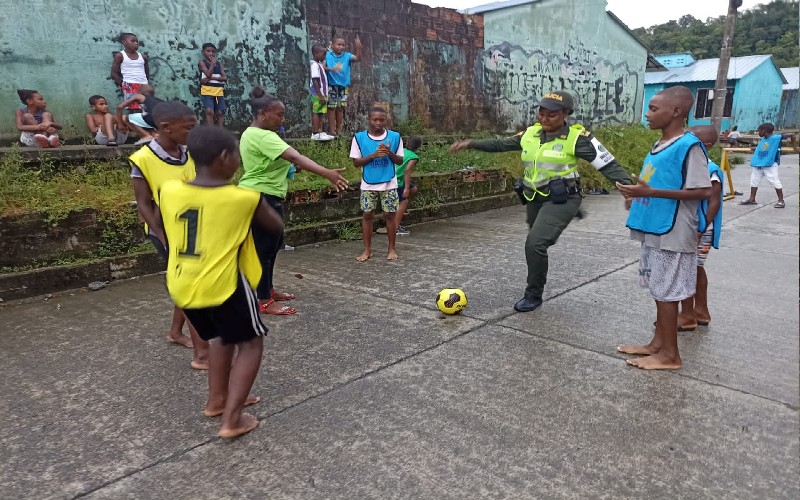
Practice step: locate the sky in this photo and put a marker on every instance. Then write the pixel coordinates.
(632, 12)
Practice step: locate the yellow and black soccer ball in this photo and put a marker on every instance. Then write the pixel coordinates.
(451, 300)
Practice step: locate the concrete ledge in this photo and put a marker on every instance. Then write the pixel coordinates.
(54, 279)
(58, 278)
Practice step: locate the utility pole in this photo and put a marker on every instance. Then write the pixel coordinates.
(721, 86)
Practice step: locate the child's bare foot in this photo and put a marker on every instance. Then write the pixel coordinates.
(199, 364)
(246, 424)
(364, 256)
(644, 350)
(216, 412)
(392, 255)
(180, 339)
(659, 361)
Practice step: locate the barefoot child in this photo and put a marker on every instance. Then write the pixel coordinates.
(663, 216)
(267, 161)
(694, 310)
(212, 85)
(214, 282)
(405, 188)
(376, 151)
(107, 129)
(163, 159)
(337, 65)
(36, 125)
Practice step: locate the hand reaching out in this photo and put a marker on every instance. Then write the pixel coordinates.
(639, 190)
(459, 145)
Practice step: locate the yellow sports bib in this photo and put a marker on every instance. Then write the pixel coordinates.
(209, 240)
(157, 171)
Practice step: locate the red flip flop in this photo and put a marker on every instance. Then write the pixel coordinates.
(280, 297)
(283, 311)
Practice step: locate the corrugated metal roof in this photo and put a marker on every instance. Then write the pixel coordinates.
(792, 76)
(479, 9)
(706, 70)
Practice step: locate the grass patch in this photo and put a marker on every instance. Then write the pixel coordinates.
(59, 189)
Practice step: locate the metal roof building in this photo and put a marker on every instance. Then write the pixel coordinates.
(755, 85)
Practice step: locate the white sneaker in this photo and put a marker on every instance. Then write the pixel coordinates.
(315, 137)
(324, 136)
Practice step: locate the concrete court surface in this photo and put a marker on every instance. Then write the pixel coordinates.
(370, 392)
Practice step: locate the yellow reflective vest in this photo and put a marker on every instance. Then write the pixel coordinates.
(544, 162)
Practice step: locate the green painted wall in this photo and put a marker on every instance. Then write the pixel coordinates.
(64, 49)
(560, 44)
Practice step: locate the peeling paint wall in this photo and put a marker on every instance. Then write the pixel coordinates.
(418, 59)
(560, 44)
(758, 97)
(65, 50)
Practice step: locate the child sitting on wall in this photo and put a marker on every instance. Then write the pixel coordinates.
(105, 127)
(36, 124)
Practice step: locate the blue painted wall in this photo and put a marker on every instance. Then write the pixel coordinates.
(756, 98)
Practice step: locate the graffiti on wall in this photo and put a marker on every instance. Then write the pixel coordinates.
(513, 79)
(257, 42)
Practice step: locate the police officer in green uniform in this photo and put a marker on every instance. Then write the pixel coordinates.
(551, 186)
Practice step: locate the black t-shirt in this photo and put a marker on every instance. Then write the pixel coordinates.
(149, 104)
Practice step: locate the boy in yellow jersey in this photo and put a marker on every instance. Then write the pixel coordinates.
(213, 268)
(163, 159)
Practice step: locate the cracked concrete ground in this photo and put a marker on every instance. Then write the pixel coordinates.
(371, 393)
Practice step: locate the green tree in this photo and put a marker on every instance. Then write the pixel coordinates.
(770, 28)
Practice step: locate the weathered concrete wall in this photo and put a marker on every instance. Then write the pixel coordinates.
(560, 44)
(416, 58)
(65, 50)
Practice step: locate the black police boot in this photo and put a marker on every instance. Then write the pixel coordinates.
(527, 304)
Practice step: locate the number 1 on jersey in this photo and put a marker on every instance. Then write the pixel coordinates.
(192, 217)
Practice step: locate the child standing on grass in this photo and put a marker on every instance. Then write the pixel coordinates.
(376, 151)
(318, 88)
(37, 126)
(130, 69)
(337, 64)
(108, 129)
(212, 85)
(163, 159)
(663, 217)
(694, 310)
(765, 161)
(213, 283)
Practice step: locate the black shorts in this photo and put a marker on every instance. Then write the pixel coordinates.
(234, 321)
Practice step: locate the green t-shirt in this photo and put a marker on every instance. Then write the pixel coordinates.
(264, 169)
(400, 170)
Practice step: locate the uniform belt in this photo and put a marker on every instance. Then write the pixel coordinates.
(573, 187)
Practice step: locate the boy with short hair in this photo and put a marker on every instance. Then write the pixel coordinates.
(376, 151)
(318, 88)
(694, 310)
(213, 283)
(166, 158)
(765, 161)
(663, 217)
(107, 129)
(337, 64)
(130, 69)
(142, 123)
(212, 85)
(733, 137)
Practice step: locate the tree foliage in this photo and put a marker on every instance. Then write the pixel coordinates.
(770, 28)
